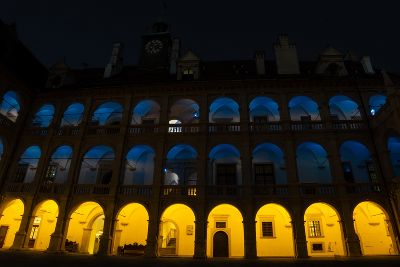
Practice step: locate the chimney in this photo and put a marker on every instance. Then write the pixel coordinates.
(175, 52)
(287, 61)
(116, 62)
(367, 65)
(260, 63)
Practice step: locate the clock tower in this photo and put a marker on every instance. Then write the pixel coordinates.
(156, 47)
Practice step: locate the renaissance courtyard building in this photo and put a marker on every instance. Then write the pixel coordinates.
(177, 156)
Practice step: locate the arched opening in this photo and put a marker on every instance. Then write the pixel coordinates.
(85, 228)
(357, 163)
(374, 229)
(343, 108)
(27, 165)
(43, 225)
(44, 116)
(376, 102)
(72, 115)
(225, 165)
(394, 152)
(130, 236)
(139, 166)
(323, 231)
(228, 219)
(177, 231)
(268, 167)
(58, 167)
(312, 163)
(10, 105)
(97, 166)
(274, 232)
(224, 110)
(11, 214)
(263, 109)
(109, 113)
(185, 110)
(146, 112)
(181, 166)
(304, 109)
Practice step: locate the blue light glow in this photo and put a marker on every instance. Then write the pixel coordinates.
(10, 106)
(182, 152)
(44, 116)
(108, 113)
(300, 106)
(224, 109)
(344, 107)
(376, 102)
(73, 115)
(146, 109)
(264, 107)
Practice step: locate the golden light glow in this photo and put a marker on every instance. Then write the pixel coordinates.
(131, 227)
(86, 227)
(43, 225)
(227, 219)
(274, 232)
(10, 220)
(177, 231)
(323, 231)
(373, 229)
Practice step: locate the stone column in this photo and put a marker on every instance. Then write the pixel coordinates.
(20, 236)
(152, 234)
(106, 238)
(200, 233)
(351, 238)
(84, 246)
(249, 226)
(57, 237)
(299, 231)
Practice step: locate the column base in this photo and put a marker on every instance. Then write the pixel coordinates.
(104, 246)
(150, 251)
(301, 249)
(353, 247)
(18, 243)
(55, 244)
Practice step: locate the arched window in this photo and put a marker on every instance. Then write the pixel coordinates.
(181, 166)
(393, 145)
(357, 163)
(10, 105)
(185, 111)
(109, 113)
(225, 165)
(139, 166)
(27, 165)
(224, 110)
(268, 165)
(264, 109)
(343, 108)
(58, 167)
(44, 116)
(376, 102)
(146, 112)
(312, 163)
(97, 166)
(73, 115)
(303, 108)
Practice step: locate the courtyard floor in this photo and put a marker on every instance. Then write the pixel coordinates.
(31, 259)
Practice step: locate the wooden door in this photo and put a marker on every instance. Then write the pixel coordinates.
(220, 245)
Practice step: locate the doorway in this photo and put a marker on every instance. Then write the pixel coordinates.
(220, 245)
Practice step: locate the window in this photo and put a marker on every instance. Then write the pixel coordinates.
(21, 172)
(267, 229)
(220, 224)
(347, 171)
(188, 74)
(51, 172)
(314, 228)
(226, 174)
(264, 174)
(317, 247)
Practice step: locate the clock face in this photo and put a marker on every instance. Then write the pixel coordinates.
(153, 47)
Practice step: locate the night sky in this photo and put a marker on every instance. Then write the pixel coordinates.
(83, 31)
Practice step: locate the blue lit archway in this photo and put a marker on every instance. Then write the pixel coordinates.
(139, 166)
(376, 102)
(10, 105)
(27, 165)
(181, 166)
(146, 112)
(73, 115)
(303, 108)
(312, 163)
(109, 113)
(224, 110)
(344, 108)
(225, 165)
(58, 167)
(357, 162)
(44, 116)
(185, 111)
(97, 166)
(263, 109)
(393, 146)
(269, 158)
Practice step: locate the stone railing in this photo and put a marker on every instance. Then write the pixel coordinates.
(317, 189)
(88, 189)
(20, 187)
(271, 190)
(178, 190)
(223, 127)
(136, 190)
(103, 130)
(68, 131)
(184, 128)
(52, 188)
(37, 131)
(143, 129)
(270, 127)
(224, 191)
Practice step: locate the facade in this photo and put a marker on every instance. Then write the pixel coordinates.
(182, 157)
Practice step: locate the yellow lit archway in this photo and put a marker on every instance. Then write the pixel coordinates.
(85, 228)
(323, 231)
(43, 225)
(10, 220)
(131, 229)
(225, 235)
(374, 229)
(274, 232)
(177, 231)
